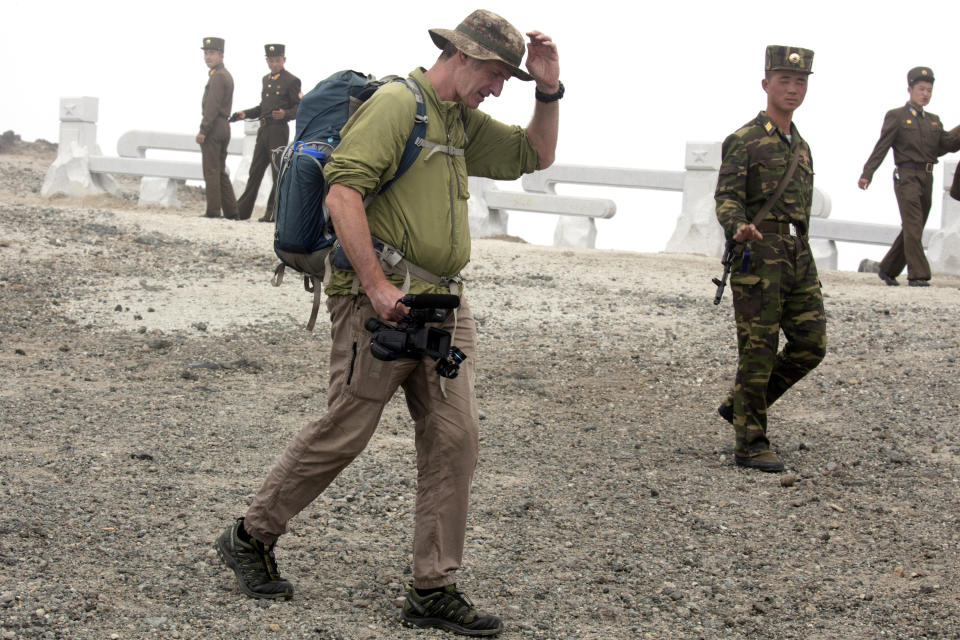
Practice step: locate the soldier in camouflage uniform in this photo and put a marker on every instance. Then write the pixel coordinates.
(774, 281)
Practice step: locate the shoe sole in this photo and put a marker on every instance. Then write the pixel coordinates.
(228, 560)
(770, 467)
(440, 623)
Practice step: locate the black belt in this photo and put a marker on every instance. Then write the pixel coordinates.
(780, 228)
(923, 166)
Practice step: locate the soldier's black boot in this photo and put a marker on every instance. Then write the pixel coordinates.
(254, 564)
(891, 282)
(448, 609)
(725, 411)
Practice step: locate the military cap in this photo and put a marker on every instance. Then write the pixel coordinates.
(486, 36)
(215, 44)
(271, 50)
(918, 74)
(780, 58)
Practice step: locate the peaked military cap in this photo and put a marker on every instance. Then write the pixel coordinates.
(271, 50)
(215, 44)
(780, 58)
(918, 74)
(486, 36)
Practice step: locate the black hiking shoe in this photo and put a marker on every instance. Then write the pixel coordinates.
(448, 609)
(254, 564)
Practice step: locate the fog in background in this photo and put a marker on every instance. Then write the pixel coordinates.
(642, 79)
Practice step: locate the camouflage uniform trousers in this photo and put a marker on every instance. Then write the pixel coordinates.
(780, 289)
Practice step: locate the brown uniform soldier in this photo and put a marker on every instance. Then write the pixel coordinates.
(214, 136)
(918, 139)
(278, 105)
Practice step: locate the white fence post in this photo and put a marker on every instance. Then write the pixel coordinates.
(484, 221)
(70, 172)
(697, 229)
(944, 250)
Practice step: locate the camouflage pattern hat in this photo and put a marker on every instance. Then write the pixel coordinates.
(486, 36)
(215, 44)
(780, 58)
(273, 50)
(918, 74)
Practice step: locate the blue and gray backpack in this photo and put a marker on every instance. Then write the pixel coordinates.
(304, 237)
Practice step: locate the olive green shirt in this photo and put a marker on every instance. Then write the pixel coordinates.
(424, 213)
(915, 135)
(755, 157)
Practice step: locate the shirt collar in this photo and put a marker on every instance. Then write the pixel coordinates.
(771, 128)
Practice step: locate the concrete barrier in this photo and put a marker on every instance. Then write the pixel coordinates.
(81, 169)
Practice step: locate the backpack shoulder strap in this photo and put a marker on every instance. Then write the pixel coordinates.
(418, 135)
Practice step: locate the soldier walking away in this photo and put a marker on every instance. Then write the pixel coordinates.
(763, 196)
(918, 139)
(279, 100)
(214, 136)
(424, 213)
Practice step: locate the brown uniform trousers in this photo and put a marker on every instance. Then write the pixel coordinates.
(217, 100)
(914, 191)
(446, 434)
(270, 136)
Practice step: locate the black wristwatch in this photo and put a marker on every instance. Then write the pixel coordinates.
(549, 97)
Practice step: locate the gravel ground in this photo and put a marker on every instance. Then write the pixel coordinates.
(151, 375)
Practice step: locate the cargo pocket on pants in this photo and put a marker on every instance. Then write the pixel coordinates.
(747, 295)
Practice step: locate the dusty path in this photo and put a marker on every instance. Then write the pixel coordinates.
(150, 375)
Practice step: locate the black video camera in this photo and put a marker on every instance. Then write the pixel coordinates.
(411, 338)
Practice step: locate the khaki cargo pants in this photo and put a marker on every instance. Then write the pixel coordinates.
(446, 433)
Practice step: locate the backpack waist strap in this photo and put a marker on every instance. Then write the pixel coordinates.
(393, 262)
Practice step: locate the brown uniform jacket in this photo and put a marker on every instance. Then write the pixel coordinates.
(281, 91)
(915, 135)
(217, 102)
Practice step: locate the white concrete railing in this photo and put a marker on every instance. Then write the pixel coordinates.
(81, 169)
(697, 230)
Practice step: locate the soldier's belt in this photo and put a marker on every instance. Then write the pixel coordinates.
(921, 166)
(781, 228)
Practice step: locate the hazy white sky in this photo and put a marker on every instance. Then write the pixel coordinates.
(642, 78)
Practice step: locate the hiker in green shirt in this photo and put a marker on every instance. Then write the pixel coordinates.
(424, 216)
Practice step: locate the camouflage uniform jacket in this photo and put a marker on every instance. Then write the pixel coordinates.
(915, 135)
(755, 157)
(280, 91)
